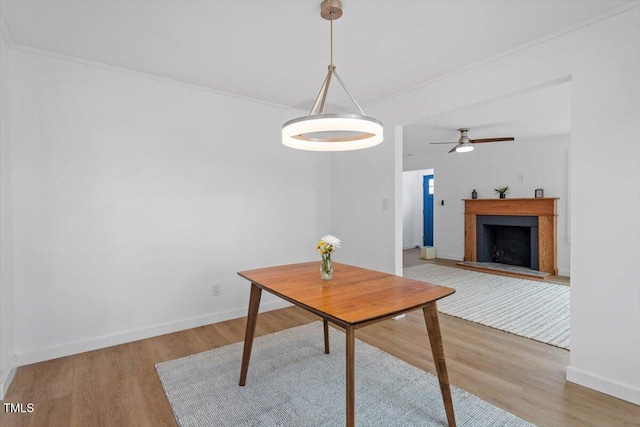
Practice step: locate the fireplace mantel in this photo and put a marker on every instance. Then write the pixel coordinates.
(544, 208)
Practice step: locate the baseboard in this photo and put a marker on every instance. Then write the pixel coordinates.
(63, 350)
(613, 388)
(449, 257)
(410, 247)
(7, 377)
(565, 273)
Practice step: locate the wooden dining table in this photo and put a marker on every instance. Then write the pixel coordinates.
(354, 298)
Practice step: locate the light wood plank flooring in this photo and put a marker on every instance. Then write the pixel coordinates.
(118, 386)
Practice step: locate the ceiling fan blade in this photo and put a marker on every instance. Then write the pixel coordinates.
(452, 142)
(453, 149)
(479, 141)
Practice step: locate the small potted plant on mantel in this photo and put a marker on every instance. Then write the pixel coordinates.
(502, 191)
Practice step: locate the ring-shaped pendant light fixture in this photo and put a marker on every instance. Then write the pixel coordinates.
(320, 131)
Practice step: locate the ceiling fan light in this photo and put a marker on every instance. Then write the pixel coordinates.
(464, 148)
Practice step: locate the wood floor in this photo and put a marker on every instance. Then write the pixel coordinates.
(118, 386)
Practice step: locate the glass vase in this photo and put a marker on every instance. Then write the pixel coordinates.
(326, 268)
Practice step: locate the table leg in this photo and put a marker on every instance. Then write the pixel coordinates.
(326, 335)
(435, 338)
(252, 318)
(351, 378)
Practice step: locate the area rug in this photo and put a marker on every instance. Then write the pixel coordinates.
(531, 309)
(291, 382)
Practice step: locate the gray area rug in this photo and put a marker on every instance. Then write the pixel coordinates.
(291, 382)
(531, 309)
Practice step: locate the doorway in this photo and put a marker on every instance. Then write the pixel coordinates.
(427, 209)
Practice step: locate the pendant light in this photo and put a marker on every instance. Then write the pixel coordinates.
(320, 131)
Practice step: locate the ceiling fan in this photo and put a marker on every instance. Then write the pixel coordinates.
(464, 144)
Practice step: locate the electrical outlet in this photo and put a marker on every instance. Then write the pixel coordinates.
(216, 290)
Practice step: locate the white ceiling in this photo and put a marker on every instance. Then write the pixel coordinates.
(534, 113)
(278, 51)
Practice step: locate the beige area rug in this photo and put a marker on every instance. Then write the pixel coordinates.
(531, 309)
(291, 382)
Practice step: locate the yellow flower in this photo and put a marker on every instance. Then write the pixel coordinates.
(328, 244)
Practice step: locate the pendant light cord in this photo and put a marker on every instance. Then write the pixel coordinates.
(321, 99)
(331, 39)
(332, 132)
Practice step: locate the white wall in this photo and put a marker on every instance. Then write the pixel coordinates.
(602, 60)
(412, 207)
(541, 162)
(605, 304)
(7, 346)
(132, 197)
(364, 206)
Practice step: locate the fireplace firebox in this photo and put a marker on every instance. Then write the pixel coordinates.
(505, 239)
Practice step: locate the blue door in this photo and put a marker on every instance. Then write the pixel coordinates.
(427, 209)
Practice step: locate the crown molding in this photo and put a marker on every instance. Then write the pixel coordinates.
(521, 47)
(571, 28)
(6, 33)
(167, 80)
(69, 58)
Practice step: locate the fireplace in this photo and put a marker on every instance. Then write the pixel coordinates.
(518, 232)
(505, 239)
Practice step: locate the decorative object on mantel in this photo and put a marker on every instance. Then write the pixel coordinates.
(474, 194)
(502, 191)
(539, 193)
(332, 132)
(326, 246)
